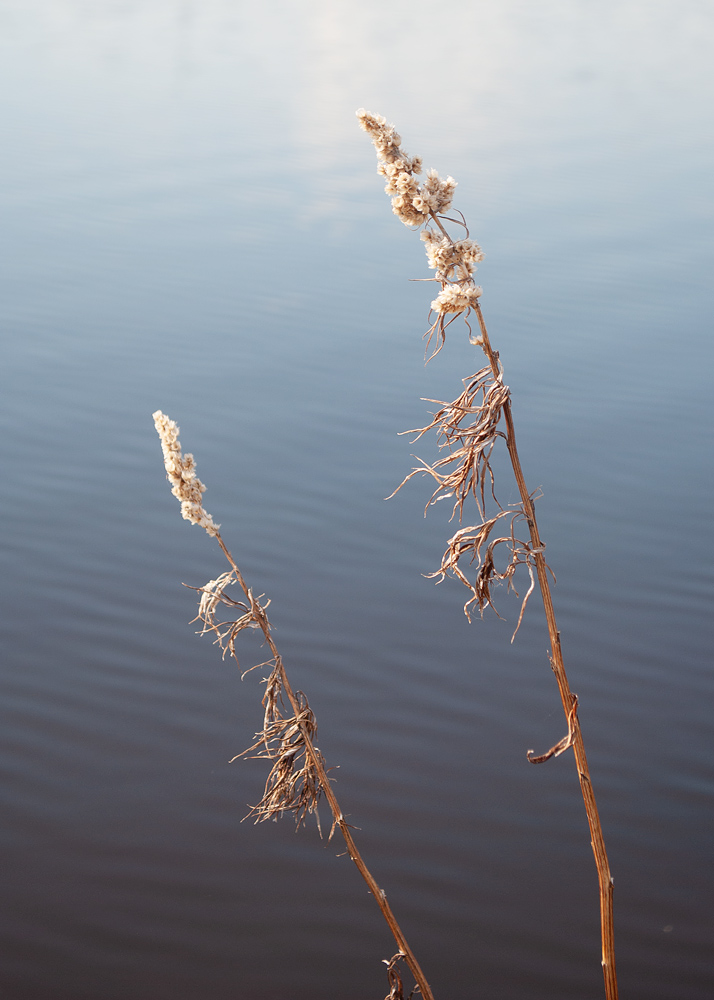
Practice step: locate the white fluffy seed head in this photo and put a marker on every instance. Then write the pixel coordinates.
(181, 474)
(456, 298)
(446, 255)
(416, 204)
(411, 202)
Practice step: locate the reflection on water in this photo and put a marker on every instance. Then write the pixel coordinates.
(194, 224)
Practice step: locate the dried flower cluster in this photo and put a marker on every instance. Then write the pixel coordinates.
(447, 257)
(412, 202)
(456, 298)
(419, 204)
(181, 473)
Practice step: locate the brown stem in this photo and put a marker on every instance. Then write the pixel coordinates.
(567, 697)
(339, 819)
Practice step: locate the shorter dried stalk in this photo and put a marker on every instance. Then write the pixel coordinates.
(298, 777)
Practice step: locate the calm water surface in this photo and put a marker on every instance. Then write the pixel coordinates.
(192, 222)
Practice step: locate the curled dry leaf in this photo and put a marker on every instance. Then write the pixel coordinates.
(396, 986)
(567, 741)
(213, 596)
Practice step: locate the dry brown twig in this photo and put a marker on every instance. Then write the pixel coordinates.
(298, 777)
(467, 430)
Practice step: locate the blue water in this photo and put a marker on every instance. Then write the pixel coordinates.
(193, 222)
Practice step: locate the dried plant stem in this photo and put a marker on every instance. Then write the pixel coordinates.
(568, 699)
(298, 776)
(324, 781)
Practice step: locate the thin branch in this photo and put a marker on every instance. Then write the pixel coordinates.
(298, 776)
(605, 880)
(298, 792)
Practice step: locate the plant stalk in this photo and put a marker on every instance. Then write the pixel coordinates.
(337, 814)
(596, 835)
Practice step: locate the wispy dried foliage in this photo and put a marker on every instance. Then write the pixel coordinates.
(213, 596)
(293, 784)
(476, 544)
(467, 431)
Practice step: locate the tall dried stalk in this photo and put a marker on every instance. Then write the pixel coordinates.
(298, 775)
(468, 430)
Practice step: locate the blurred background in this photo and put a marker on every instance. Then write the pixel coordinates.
(192, 221)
